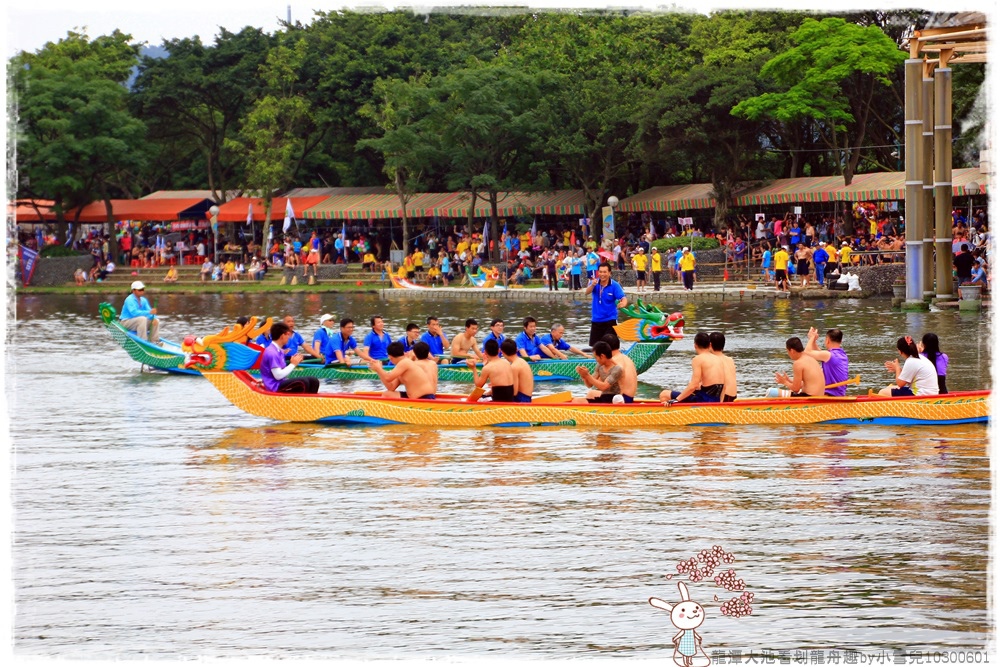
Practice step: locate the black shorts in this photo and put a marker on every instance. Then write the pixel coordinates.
(780, 274)
(640, 275)
(599, 329)
(603, 398)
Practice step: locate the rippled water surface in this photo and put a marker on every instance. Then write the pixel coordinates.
(154, 519)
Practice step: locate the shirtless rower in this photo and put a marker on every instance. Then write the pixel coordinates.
(630, 378)
(718, 341)
(807, 375)
(422, 356)
(463, 345)
(605, 383)
(524, 381)
(833, 358)
(708, 376)
(405, 373)
(496, 371)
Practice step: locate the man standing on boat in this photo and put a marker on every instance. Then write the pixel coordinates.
(607, 296)
(274, 371)
(833, 358)
(137, 316)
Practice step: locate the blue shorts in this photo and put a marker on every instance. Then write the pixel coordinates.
(902, 391)
(522, 398)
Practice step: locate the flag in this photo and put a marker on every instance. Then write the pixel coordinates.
(69, 236)
(652, 232)
(343, 233)
(289, 215)
(249, 214)
(39, 238)
(534, 228)
(29, 258)
(572, 238)
(486, 236)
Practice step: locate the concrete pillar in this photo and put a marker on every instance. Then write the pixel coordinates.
(913, 75)
(927, 174)
(942, 180)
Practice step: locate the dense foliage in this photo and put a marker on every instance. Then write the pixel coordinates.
(604, 102)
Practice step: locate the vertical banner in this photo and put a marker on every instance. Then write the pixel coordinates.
(608, 214)
(29, 259)
(343, 233)
(289, 215)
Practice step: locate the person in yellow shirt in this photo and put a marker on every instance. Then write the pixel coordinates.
(655, 266)
(368, 261)
(463, 245)
(408, 265)
(845, 256)
(639, 263)
(418, 262)
(781, 269)
(401, 273)
(525, 239)
(687, 268)
(433, 273)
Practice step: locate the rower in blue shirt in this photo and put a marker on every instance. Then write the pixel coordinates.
(436, 340)
(344, 342)
(527, 342)
(411, 336)
(496, 333)
(553, 345)
(377, 341)
(323, 339)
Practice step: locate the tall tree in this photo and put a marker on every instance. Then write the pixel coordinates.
(270, 136)
(195, 99)
(830, 75)
(76, 139)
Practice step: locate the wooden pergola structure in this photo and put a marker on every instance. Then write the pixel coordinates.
(928, 136)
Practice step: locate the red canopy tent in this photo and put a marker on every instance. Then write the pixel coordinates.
(142, 209)
(235, 210)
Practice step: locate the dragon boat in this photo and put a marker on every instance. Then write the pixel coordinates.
(246, 393)
(649, 329)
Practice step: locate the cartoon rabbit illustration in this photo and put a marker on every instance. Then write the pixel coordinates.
(686, 615)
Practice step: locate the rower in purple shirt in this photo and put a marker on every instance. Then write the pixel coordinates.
(833, 358)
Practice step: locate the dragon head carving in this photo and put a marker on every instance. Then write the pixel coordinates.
(225, 350)
(649, 324)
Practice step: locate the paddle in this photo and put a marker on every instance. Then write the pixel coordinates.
(854, 380)
(559, 397)
(475, 395)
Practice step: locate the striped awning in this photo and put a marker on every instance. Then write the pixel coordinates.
(883, 186)
(670, 198)
(445, 205)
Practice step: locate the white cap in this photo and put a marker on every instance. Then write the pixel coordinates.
(326, 317)
(138, 285)
(785, 247)
(685, 249)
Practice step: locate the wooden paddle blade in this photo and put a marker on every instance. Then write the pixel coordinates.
(475, 395)
(560, 397)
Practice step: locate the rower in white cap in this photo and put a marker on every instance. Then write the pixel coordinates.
(138, 316)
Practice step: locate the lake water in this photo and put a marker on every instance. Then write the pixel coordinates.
(152, 519)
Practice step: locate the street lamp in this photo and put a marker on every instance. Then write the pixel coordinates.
(972, 189)
(214, 210)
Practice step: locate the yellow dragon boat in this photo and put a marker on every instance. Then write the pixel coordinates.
(246, 393)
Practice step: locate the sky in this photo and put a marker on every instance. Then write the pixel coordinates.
(29, 25)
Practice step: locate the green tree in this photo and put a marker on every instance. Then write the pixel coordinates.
(269, 139)
(409, 146)
(76, 139)
(195, 99)
(831, 76)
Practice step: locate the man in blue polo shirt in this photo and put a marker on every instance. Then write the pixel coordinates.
(496, 333)
(553, 345)
(377, 341)
(411, 336)
(527, 342)
(324, 338)
(607, 296)
(344, 342)
(137, 316)
(436, 340)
